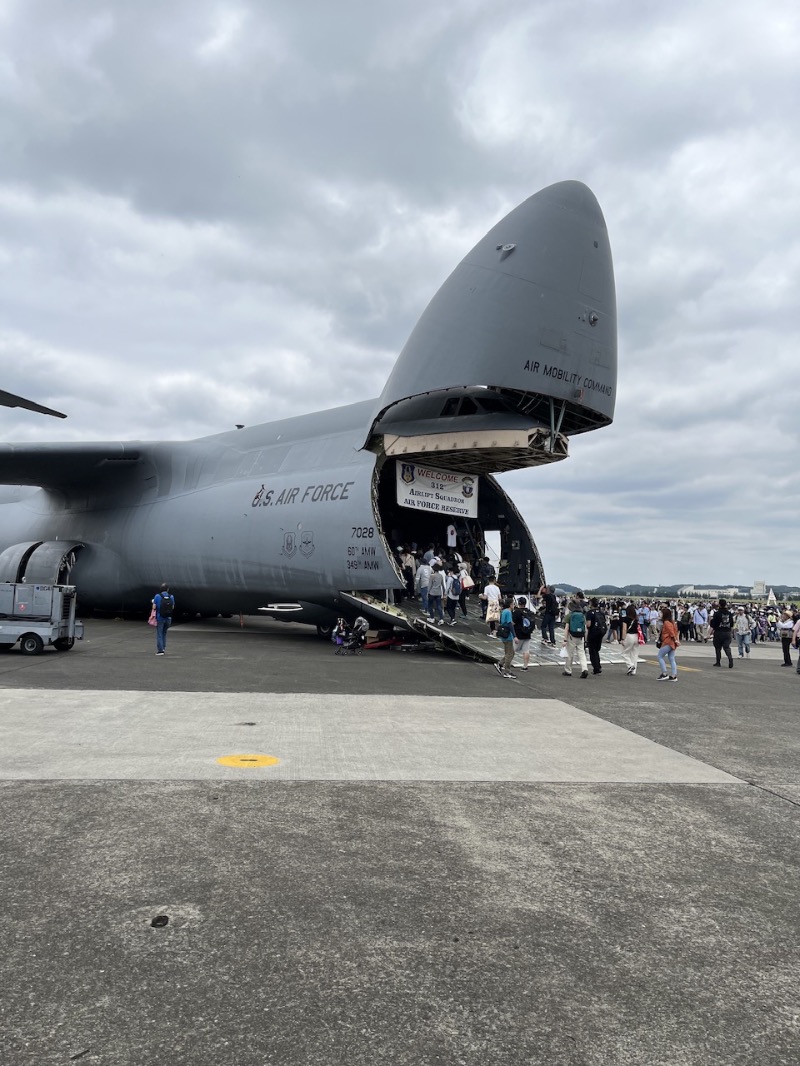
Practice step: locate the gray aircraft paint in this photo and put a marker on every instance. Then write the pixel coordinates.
(291, 511)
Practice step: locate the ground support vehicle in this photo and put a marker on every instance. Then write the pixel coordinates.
(38, 616)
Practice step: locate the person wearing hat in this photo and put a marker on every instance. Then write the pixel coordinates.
(786, 633)
(742, 627)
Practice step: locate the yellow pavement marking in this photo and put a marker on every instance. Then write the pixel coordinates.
(686, 669)
(247, 762)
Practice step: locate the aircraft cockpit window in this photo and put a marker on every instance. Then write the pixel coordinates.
(493, 403)
(459, 405)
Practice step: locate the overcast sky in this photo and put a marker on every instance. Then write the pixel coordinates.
(220, 213)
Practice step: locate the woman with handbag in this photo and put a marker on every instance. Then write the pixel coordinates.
(629, 636)
(668, 647)
(466, 585)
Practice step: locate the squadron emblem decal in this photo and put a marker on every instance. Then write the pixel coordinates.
(289, 544)
(307, 545)
(468, 487)
(407, 473)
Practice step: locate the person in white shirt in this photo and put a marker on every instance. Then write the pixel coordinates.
(491, 594)
(786, 633)
(700, 619)
(742, 627)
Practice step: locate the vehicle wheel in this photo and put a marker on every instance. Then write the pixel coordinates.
(31, 644)
(325, 631)
(64, 643)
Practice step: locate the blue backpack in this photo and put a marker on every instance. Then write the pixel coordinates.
(577, 624)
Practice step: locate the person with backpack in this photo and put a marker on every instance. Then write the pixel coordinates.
(453, 593)
(575, 635)
(523, 629)
(596, 620)
(505, 633)
(164, 603)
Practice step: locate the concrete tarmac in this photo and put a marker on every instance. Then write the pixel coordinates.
(402, 858)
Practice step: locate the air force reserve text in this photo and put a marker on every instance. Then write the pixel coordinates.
(444, 491)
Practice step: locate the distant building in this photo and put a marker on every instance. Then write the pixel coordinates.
(704, 592)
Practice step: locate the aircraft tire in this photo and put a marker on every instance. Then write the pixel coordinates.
(325, 631)
(31, 644)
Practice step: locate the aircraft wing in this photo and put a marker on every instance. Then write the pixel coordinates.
(54, 466)
(8, 399)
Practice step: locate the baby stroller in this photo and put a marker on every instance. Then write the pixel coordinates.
(350, 641)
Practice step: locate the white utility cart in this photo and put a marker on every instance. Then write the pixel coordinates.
(37, 616)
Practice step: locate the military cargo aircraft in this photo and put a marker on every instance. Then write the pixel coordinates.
(302, 518)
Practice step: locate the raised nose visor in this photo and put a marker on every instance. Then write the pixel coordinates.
(478, 431)
(529, 318)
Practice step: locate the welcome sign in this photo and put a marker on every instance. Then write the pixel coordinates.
(429, 488)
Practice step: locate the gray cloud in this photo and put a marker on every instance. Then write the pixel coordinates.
(227, 212)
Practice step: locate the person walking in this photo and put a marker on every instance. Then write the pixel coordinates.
(436, 590)
(549, 616)
(491, 597)
(484, 575)
(700, 621)
(742, 627)
(722, 626)
(575, 636)
(164, 603)
(422, 582)
(596, 621)
(523, 628)
(454, 591)
(629, 636)
(786, 633)
(466, 584)
(505, 633)
(669, 645)
(796, 639)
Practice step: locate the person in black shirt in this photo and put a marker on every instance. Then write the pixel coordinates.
(523, 629)
(722, 625)
(596, 620)
(549, 616)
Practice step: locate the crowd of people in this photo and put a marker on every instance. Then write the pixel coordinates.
(633, 624)
(441, 579)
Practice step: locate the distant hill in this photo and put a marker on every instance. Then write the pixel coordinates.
(783, 593)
